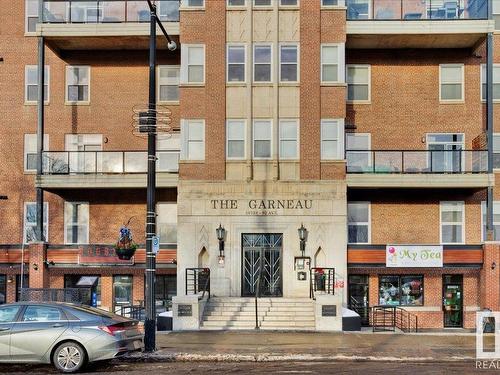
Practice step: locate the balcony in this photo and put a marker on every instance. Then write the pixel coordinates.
(417, 23)
(418, 169)
(106, 169)
(104, 25)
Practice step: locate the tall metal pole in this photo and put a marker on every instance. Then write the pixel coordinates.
(489, 125)
(150, 322)
(40, 127)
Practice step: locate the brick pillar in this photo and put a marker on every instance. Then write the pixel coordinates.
(107, 292)
(490, 277)
(38, 271)
(138, 289)
(11, 289)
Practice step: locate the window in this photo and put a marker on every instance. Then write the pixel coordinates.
(332, 60)
(3, 289)
(289, 132)
(358, 158)
(331, 3)
(401, 290)
(236, 3)
(31, 10)
(236, 57)
(289, 63)
(446, 152)
(30, 151)
(452, 222)
(31, 84)
(358, 83)
(289, 3)
(496, 220)
(193, 134)
(262, 55)
(496, 150)
(358, 9)
(168, 147)
(166, 288)
(42, 314)
(358, 222)
(262, 136)
(168, 83)
(76, 223)
(235, 136)
(82, 159)
(262, 3)
(496, 13)
(194, 3)
(451, 82)
(166, 226)
(332, 136)
(8, 313)
(122, 291)
(496, 82)
(30, 221)
(193, 64)
(77, 84)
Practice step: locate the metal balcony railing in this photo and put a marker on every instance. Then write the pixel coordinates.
(109, 11)
(415, 161)
(107, 162)
(410, 10)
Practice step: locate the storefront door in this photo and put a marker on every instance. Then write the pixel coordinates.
(358, 297)
(453, 301)
(262, 251)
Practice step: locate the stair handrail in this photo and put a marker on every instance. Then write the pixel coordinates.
(257, 293)
(196, 286)
(328, 275)
(407, 320)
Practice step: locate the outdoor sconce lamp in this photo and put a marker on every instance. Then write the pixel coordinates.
(10, 280)
(35, 266)
(221, 235)
(493, 265)
(49, 263)
(303, 238)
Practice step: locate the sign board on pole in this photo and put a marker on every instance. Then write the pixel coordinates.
(156, 244)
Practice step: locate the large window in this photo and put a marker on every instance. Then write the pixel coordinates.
(289, 133)
(332, 139)
(235, 137)
(193, 64)
(77, 84)
(166, 288)
(289, 63)
(451, 82)
(452, 222)
(496, 13)
(262, 67)
(166, 226)
(358, 9)
(76, 223)
(496, 82)
(193, 3)
(30, 222)
(122, 291)
(401, 290)
(31, 84)
(358, 222)
(496, 220)
(332, 63)
(496, 150)
(193, 143)
(358, 83)
(30, 151)
(236, 58)
(168, 83)
(236, 3)
(262, 139)
(31, 10)
(358, 157)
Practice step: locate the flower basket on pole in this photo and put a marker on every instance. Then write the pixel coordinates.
(125, 247)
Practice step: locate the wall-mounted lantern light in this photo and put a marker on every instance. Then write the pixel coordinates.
(303, 238)
(221, 236)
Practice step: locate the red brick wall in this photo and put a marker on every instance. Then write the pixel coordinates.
(38, 272)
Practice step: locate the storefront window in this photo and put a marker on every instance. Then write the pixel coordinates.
(401, 290)
(122, 291)
(166, 288)
(85, 281)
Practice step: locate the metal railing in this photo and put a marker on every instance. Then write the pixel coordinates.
(388, 318)
(361, 309)
(107, 162)
(322, 280)
(417, 161)
(137, 312)
(198, 281)
(70, 295)
(414, 10)
(109, 11)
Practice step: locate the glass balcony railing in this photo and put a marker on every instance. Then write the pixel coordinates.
(110, 11)
(107, 162)
(416, 9)
(426, 161)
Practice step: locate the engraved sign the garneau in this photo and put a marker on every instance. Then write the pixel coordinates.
(261, 206)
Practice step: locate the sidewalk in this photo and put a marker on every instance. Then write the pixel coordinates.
(299, 346)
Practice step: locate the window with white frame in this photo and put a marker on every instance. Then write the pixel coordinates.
(496, 13)
(236, 57)
(451, 82)
(358, 83)
(236, 3)
(166, 222)
(289, 3)
(262, 3)
(359, 9)
(452, 222)
(193, 139)
(496, 150)
(358, 222)
(193, 64)
(262, 139)
(289, 63)
(262, 67)
(31, 84)
(30, 222)
(30, 151)
(358, 157)
(77, 84)
(235, 138)
(332, 63)
(168, 83)
(76, 222)
(193, 3)
(496, 220)
(496, 82)
(331, 3)
(332, 135)
(31, 12)
(289, 133)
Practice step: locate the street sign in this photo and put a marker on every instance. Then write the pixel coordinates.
(156, 244)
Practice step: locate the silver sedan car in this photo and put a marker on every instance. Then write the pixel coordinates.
(68, 336)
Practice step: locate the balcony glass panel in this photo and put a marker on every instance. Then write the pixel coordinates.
(110, 162)
(136, 162)
(168, 161)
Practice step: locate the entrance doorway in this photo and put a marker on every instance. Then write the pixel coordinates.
(359, 297)
(262, 251)
(453, 301)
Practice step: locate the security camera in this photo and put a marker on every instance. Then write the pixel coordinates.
(172, 46)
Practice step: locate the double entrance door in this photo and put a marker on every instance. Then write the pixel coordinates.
(262, 260)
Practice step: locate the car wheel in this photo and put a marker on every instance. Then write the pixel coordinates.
(69, 357)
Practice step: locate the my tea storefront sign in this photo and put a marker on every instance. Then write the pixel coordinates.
(414, 256)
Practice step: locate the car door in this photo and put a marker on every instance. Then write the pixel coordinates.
(36, 331)
(8, 315)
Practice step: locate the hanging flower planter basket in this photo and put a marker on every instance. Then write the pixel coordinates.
(125, 247)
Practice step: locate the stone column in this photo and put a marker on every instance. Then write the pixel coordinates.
(38, 271)
(490, 276)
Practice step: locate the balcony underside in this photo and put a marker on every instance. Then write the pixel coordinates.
(448, 181)
(417, 34)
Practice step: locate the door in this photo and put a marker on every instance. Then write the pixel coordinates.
(262, 251)
(453, 301)
(358, 297)
(8, 315)
(445, 153)
(37, 330)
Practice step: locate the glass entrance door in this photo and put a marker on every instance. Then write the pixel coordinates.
(453, 301)
(262, 251)
(358, 297)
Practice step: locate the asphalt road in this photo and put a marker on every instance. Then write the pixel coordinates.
(175, 368)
